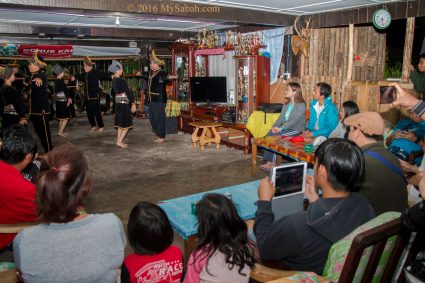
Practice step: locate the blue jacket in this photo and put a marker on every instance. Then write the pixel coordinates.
(328, 119)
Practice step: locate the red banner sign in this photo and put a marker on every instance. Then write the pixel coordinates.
(217, 51)
(47, 51)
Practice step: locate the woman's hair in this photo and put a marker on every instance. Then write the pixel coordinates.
(350, 108)
(65, 181)
(149, 230)
(220, 228)
(298, 98)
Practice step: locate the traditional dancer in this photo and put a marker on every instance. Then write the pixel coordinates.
(39, 106)
(91, 80)
(12, 107)
(63, 100)
(124, 103)
(157, 96)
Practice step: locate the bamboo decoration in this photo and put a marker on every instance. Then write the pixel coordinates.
(408, 42)
(350, 52)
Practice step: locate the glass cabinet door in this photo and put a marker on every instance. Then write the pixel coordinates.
(245, 88)
(182, 72)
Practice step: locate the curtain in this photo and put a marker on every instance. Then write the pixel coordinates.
(274, 38)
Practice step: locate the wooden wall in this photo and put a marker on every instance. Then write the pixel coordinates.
(328, 54)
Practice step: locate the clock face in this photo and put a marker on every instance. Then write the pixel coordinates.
(381, 19)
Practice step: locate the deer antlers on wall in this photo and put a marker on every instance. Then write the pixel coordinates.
(301, 41)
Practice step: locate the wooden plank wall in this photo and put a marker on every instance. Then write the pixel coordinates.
(328, 61)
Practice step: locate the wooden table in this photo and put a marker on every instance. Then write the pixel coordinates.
(282, 146)
(209, 134)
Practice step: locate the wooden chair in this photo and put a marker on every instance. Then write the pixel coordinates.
(373, 254)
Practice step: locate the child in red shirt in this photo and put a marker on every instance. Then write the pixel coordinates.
(150, 235)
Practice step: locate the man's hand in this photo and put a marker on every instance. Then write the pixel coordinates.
(406, 135)
(307, 134)
(408, 167)
(404, 98)
(38, 82)
(310, 189)
(275, 130)
(266, 189)
(69, 102)
(133, 108)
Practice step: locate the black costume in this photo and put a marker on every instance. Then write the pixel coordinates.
(62, 95)
(123, 100)
(157, 96)
(40, 109)
(71, 91)
(91, 91)
(12, 106)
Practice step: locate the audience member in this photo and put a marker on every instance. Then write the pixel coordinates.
(70, 245)
(222, 253)
(418, 77)
(292, 117)
(302, 241)
(150, 235)
(384, 183)
(17, 195)
(348, 108)
(323, 113)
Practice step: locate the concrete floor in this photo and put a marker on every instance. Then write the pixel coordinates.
(146, 171)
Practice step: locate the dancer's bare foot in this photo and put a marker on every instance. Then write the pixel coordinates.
(159, 140)
(121, 144)
(63, 135)
(93, 129)
(100, 130)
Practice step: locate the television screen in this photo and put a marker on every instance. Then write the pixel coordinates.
(208, 89)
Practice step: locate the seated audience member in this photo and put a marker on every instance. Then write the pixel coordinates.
(323, 113)
(405, 137)
(292, 117)
(70, 245)
(150, 235)
(222, 253)
(384, 183)
(348, 108)
(418, 77)
(302, 241)
(17, 195)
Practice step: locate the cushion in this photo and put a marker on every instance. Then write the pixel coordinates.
(339, 251)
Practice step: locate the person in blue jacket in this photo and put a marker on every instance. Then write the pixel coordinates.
(323, 113)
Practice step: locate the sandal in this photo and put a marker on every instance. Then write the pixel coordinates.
(267, 166)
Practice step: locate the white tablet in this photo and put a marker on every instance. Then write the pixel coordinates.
(289, 178)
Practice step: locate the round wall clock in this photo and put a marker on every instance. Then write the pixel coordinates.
(381, 18)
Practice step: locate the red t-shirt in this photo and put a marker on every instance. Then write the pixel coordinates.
(17, 200)
(160, 268)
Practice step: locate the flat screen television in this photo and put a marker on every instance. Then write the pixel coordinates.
(208, 89)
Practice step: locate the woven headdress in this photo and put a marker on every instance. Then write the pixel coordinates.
(5, 72)
(87, 61)
(156, 59)
(37, 61)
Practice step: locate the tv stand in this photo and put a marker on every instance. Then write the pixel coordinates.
(234, 135)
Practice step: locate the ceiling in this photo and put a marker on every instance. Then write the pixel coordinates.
(80, 20)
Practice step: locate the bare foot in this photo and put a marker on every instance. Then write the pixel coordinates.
(63, 135)
(93, 129)
(159, 140)
(100, 130)
(121, 144)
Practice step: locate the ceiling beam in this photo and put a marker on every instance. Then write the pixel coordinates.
(160, 8)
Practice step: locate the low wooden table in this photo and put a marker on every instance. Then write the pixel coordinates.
(209, 134)
(282, 146)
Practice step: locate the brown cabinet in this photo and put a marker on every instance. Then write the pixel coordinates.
(252, 84)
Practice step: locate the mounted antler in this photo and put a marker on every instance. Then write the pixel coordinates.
(301, 42)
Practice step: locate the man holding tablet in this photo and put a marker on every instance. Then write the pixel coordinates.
(301, 241)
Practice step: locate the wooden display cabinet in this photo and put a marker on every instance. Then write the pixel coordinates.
(252, 84)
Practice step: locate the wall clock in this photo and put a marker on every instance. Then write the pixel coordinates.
(381, 19)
